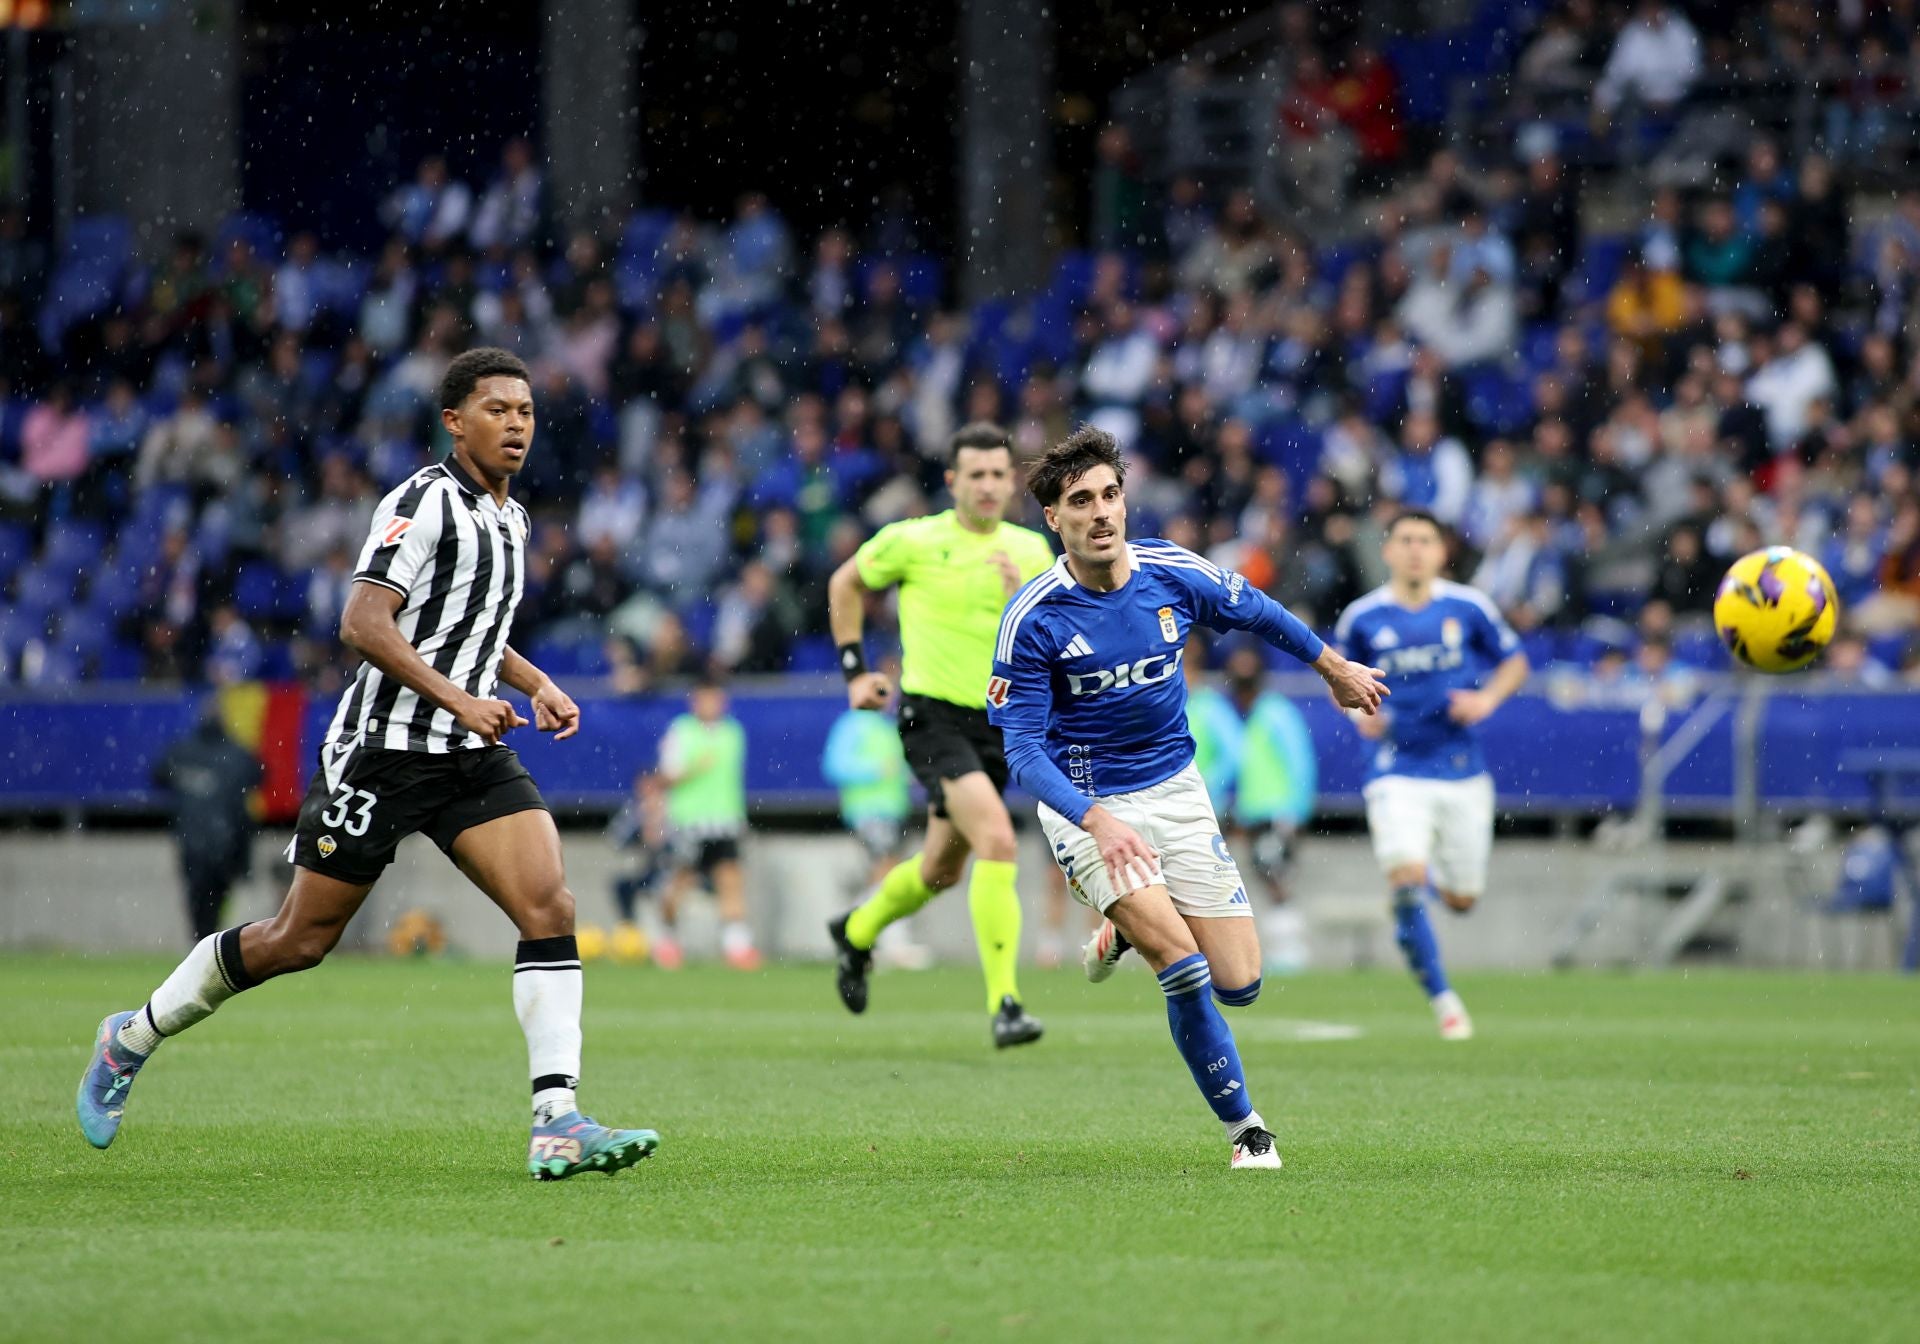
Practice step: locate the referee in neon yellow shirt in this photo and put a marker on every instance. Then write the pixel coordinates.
(955, 571)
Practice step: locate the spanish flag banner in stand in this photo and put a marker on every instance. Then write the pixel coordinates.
(265, 718)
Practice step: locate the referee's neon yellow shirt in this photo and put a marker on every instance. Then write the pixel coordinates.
(951, 597)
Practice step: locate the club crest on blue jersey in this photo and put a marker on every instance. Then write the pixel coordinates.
(1168, 627)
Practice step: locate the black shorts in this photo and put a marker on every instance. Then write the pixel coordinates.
(703, 853)
(349, 831)
(944, 741)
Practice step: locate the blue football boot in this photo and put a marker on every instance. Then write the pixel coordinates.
(104, 1087)
(573, 1143)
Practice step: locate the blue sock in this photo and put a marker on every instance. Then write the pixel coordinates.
(1415, 936)
(1204, 1039)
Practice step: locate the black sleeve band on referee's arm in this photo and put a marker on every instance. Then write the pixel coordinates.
(853, 660)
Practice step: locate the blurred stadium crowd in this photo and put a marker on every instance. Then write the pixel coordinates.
(190, 451)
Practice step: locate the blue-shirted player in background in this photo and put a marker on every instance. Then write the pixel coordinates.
(1088, 695)
(1429, 796)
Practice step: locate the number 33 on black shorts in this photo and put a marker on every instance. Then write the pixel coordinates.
(355, 814)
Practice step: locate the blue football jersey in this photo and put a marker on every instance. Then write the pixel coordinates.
(1086, 686)
(1448, 645)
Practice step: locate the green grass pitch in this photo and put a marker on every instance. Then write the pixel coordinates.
(341, 1156)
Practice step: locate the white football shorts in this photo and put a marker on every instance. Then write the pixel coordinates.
(1175, 817)
(1446, 824)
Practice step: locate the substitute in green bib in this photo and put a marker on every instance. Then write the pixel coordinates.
(703, 764)
(955, 572)
(1275, 784)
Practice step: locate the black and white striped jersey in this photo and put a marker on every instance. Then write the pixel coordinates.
(459, 559)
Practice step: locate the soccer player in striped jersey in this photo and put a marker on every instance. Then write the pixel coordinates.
(1451, 660)
(1087, 691)
(415, 746)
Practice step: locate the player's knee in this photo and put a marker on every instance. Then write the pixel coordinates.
(1459, 902)
(549, 914)
(997, 844)
(941, 873)
(1230, 997)
(286, 950)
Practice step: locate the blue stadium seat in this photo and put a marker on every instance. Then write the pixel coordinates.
(1538, 645)
(646, 232)
(43, 591)
(115, 588)
(16, 548)
(1336, 259)
(555, 657)
(261, 233)
(1620, 603)
(1540, 346)
(87, 279)
(73, 547)
(99, 239)
(813, 653)
(698, 616)
(1701, 649)
(922, 278)
(83, 633)
(340, 283)
(1072, 276)
(1576, 646)
(276, 663)
(60, 668)
(1889, 649)
(18, 628)
(633, 280)
(290, 602)
(1497, 402)
(988, 318)
(1053, 321)
(121, 661)
(256, 591)
(1602, 258)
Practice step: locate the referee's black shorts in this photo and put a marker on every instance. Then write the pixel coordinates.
(349, 830)
(945, 741)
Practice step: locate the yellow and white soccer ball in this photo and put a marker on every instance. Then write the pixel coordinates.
(1776, 609)
(591, 941)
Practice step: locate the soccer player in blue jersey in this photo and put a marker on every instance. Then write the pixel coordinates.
(1087, 693)
(1450, 660)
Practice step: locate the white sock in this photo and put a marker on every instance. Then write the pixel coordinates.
(550, 1103)
(137, 1033)
(211, 974)
(736, 937)
(1239, 1127)
(547, 989)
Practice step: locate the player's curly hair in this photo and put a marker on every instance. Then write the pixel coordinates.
(466, 371)
(1073, 457)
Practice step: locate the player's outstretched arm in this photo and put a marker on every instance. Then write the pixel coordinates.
(553, 709)
(1354, 685)
(1228, 602)
(847, 618)
(367, 627)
